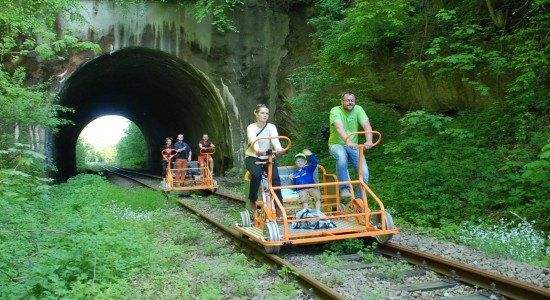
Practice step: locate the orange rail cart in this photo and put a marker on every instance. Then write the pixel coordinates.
(196, 177)
(358, 218)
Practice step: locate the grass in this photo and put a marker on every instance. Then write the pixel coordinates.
(368, 254)
(331, 259)
(514, 240)
(88, 239)
(517, 241)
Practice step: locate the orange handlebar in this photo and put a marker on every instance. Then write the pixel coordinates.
(207, 150)
(274, 137)
(167, 153)
(365, 132)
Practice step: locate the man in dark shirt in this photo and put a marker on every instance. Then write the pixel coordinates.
(183, 156)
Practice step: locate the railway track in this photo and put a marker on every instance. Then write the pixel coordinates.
(425, 273)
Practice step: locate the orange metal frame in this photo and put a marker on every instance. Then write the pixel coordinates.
(204, 181)
(356, 212)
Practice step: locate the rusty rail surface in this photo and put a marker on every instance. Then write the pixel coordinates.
(507, 287)
(315, 288)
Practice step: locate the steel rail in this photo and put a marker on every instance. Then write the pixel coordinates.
(133, 172)
(316, 289)
(507, 287)
(126, 176)
(319, 290)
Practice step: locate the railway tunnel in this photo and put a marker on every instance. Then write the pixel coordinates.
(160, 93)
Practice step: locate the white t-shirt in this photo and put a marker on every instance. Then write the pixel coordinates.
(270, 130)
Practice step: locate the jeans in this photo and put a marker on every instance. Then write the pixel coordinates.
(343, 155)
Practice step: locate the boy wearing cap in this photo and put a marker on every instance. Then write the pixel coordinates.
(304, 175)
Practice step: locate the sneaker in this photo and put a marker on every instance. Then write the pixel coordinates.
(345, 194)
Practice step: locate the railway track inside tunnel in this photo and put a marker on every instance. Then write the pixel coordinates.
(389, 271)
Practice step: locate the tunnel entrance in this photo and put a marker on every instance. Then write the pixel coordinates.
(160, 93)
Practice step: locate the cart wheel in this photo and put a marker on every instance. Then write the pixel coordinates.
(245, 219)
(271, 231)
(376, 221)
(214, 182)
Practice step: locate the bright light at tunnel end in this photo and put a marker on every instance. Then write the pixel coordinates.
(105, 131)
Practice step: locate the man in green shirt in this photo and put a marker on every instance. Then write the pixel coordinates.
(345, 119)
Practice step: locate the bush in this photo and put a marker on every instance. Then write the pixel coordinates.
(55, 248)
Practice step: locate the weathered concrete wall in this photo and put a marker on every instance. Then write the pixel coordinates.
(241, 69)
(219, 76)
(421, 91)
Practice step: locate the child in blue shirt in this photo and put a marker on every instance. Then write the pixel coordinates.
(304, 175)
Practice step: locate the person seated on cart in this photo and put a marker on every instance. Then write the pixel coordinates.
(304, 175)
(206, 143)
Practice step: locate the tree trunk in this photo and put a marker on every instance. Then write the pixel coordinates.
(16, 133)
(496, 20)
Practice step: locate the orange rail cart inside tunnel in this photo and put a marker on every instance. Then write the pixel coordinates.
(196, 177)
(357, 218)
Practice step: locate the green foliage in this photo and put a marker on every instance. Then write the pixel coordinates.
(50, 246)
(219, 10)
(368, 254)
(458, 53)
(82, 148)
(438, 169)
(345, 246)
(285, 290)
(27, 29)
(396, 271)
(20, 165)
(438, 172)
(538, 171)
(287, 274)
(86, 154)
(131, 150)
(518, 241)
(462, 45)
(346, 44)
(331, 259)
(529, 57)
(88, 239)
(26, 106)
(349, 39)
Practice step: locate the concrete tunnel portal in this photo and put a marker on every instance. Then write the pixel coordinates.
(160, 93)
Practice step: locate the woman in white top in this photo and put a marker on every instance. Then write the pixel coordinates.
(257, 152)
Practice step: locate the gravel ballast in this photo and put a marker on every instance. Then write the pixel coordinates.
(539, 276)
